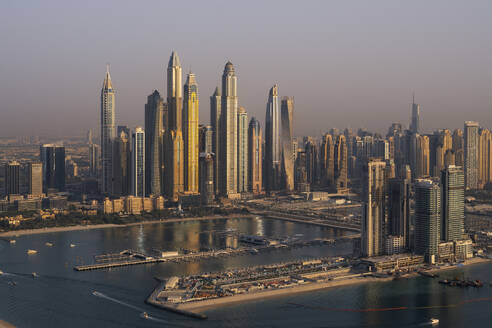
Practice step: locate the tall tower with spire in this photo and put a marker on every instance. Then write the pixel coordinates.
(174, 135)
(107, 132)
(190, 134)
(272, 140)
(415, 124)
(228, 133)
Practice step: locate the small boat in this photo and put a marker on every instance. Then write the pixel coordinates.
(12, 241)
(145, 315)
(1, 272)
(434, 321)
(48, 244)
(12, 283)
(35, 275)
(72, 245)
(31, 251)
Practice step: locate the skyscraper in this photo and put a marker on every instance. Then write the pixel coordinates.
(242, 150)
(174, 157)
(427, 218)
(255, 156)
(415, 124)
(107, 132)
(453, 203)
(228, 133)
(341, 164)
(12, 178)
(484, 157)
(35, 178)
(190, 134)
(422, 156)
(471, 155)
(399, 209)
(215, 120)
(122, 165)
(458, 147)
(374, 208)
(287, 157)
(312, 161)
(205, 135)
(53, 159)
(272, 141)
(138, 162)
(207, 189)
(94, 157)
(153, 144)
(327, 161)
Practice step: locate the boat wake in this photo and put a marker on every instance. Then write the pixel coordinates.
(143, 314)
(101, 295)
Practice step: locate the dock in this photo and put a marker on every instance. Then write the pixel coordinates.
(131, 257)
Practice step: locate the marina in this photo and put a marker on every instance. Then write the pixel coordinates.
(131, 257)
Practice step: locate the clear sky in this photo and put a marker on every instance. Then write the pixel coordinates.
(347, 63)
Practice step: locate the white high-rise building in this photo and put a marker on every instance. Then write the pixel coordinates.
(228, 133)
(138, 162)
(272, 140)
(107, 132)
(242, 152)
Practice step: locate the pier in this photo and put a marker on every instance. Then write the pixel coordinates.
(131, 257)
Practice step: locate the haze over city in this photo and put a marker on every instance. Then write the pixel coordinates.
(348, 64)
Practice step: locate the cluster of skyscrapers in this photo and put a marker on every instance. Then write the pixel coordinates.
(165, 157)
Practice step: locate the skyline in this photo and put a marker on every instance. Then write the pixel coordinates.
(359, 69)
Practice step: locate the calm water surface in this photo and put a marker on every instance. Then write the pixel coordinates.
(61, 297)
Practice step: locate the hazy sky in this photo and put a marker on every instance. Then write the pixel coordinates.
(347, 63)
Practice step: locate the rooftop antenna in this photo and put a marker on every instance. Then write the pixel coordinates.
(413, 97)
(107, 67)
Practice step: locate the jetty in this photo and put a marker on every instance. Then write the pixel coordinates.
(131, 257)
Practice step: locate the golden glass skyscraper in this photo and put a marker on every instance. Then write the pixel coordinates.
(190, 134)
(107, 132)
(174, 135)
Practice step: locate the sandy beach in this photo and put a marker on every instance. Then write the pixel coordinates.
(207, 304)
(309, 287)
(16, 233)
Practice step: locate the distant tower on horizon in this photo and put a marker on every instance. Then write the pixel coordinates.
(190, 134)
(174, 156)
(415, 124)
(107, 132)
(272, 140)
(227, 158)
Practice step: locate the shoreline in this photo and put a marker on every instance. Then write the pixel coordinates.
(16, 233)
(200, 306)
